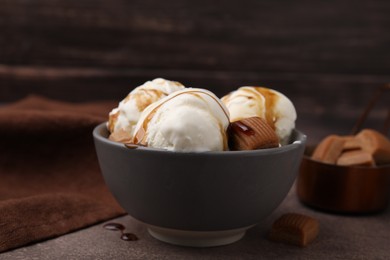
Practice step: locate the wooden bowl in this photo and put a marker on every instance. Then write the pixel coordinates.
(343, 189)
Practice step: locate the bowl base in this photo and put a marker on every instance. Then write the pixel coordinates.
(197, 238)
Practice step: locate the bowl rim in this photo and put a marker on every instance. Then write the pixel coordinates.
(302, 141)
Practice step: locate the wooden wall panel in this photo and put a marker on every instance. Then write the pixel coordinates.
(260, 36)
(328, 56)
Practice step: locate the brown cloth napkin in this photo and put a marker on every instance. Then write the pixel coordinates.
(50, 181)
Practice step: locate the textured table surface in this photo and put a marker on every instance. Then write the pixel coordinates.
(340, 237)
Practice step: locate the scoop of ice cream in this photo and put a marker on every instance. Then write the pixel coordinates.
(123, 119)
(190, 120)
(269, 104)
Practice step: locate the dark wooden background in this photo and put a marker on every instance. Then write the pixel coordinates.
(327, 56)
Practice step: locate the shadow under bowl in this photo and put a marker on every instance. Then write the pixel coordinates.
(198, 199)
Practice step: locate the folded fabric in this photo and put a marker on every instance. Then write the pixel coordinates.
(50, 181)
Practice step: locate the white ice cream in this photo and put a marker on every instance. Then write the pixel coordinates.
(190, 120)
(123, 119)
(266, 103)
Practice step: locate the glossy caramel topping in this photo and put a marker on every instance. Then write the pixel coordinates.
(270, 100)
(140, 136)
(112, 119)
(119, 227)
(259, 94)
(242, 127)
(145, 97)
(252, 133)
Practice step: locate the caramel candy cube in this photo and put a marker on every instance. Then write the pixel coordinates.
(252, 133)
(376, 144)
(351, 143)
(295, 229)
(329, 149)
(356, 158)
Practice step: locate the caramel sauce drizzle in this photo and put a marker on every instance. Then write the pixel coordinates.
(140, 135)
(270, 101)
(119, 227)
(144, 97)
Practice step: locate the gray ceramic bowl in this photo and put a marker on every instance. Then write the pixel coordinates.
(198, 199)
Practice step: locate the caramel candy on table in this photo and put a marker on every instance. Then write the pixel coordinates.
(295, 229)
(252, 133)
(329, 149)
(356, 158)
(376, 144)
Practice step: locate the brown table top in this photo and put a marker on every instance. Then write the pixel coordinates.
(340, 237)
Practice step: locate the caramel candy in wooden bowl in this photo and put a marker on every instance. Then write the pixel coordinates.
(343, 189)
